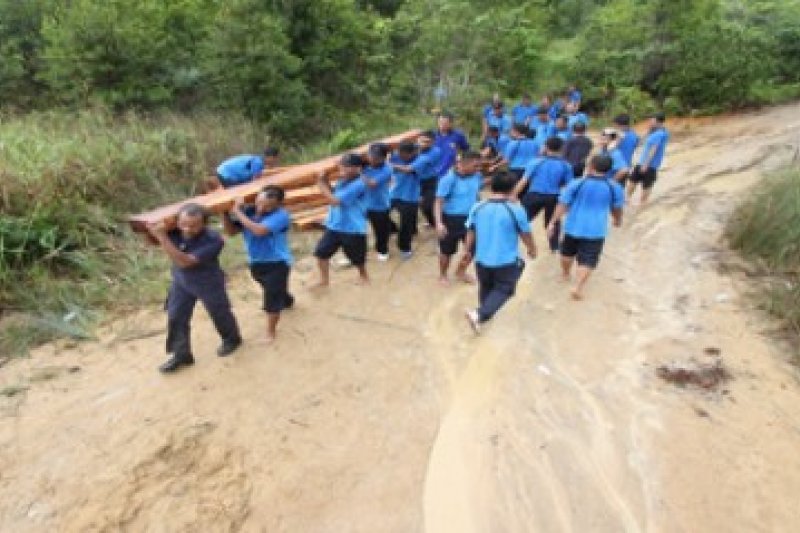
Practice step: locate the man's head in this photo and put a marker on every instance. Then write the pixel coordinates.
(426, 140)
(607, 137)
(503, 183)
(622, 120)
(271, 157)
(350, 166)
(579, 128)
(376, 154)
(468, 163)
(561, 122)
(657, 120)
(572, 108)
(545, 101)
(493, 132)
(269, 198)
(192, 220)
(407, 150)
(543, 113)
(553, 145)
(599, 165)
(445, 122)
(497, 109)
(519, 131)
(526, 99)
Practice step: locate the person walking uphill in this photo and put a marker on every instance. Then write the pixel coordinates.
(378, 176)
(494, 226)
(651, 158)
(196, 275)
(264, 230)
(425, 167)
(346, 224)
(587, 203)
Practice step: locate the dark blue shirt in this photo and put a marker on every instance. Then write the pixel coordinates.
(450, 144)
(204, 247)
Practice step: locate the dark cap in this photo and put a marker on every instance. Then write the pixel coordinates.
(352, 160)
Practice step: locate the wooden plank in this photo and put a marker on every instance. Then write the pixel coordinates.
(220, 201)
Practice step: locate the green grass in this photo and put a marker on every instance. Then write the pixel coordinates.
(766, 230)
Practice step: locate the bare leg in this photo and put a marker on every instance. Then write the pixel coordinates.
(566, 267)
(324, 266)
(583, 274)
(444, 266)
(631, 190)
(363, 277)
(645, 195)
(272, 326)
(461, 270)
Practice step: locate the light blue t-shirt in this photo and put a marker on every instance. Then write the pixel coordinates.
(497, 225)
(575, 96)
(544, 130)
(564, 135)
(548, 174)
(406, 185)
(555, 109)
(272, 247)
(426, 165)
(521, 113)
(590, 201)
(350, 215)
(502, 123)
(459, 192)
(658, 138)
(617, 161)
(240, 169)
(577, 117)
(379, 197)
(627, 145)
(520, 152)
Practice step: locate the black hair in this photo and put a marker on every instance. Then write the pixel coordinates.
(522, 129)
(542, 110)
(446, 114)
(274, 191)
(660, 117)
(194, 210)
(554, 144)
(271, 151)
(562, 116)
(494, 129)
(601, 163)
(469, 155)
(430, 134)
(503, 182)
(352, 160)
(579, 127)
(622, 119)
(407, 147)
(526, 96)
(378, 150)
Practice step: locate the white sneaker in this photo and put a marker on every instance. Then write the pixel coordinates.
(474, 320)
(343, 262)
(382, 257)
(406, 255)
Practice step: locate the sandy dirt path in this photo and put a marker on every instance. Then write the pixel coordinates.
(377, 411)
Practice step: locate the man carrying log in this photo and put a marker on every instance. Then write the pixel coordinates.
(196, 275)
(264, 230)
(244, 168)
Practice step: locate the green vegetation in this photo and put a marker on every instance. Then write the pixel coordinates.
(766, 229)
(112, 106)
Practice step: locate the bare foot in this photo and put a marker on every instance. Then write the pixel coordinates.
(270, 338)
(466, 278)
(566, 277)
(444, 282)
(576, 295)
(362, 281)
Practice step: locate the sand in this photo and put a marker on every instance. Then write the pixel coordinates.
(378, 411)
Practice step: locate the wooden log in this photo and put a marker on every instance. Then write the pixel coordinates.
(221, 200)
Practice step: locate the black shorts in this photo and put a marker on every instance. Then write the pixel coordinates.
(353, 244)
(647, 178)
(274, 279)
(456, 231)
(587, 250)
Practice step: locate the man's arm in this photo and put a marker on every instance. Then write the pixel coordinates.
(527, 240)
(649, 158)
(228, 226)
(181, 259)
(469, 243)
(616, 215)
(441, 229)
(254, 227)
(521, 185)
(325, 188)
(561, 210)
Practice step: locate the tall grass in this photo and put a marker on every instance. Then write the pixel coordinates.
(766, 230)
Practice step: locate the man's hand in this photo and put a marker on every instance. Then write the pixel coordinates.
(238, 203)
(441, 230)
(157, 230)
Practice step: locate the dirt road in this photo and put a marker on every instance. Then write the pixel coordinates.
(377, 411)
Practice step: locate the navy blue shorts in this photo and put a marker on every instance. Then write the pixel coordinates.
(274, 280)
(586, 251)
(647, 178)
(456, 232)
(354, 246)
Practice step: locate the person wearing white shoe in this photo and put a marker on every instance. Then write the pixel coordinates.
(377, 175)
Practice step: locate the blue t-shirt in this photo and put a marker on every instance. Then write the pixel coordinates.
(497, 225)
(240, 169)
(555, 109)
(350, 215)
(272, 247)
(449, 144)
(520, 152)
(487, 110)
(521, 113)
(658, 138)
(565, 135)
(575, 96)
(617, 161)
(544, 130)
(427, 163)
(379, 197)
(406, 185)
(627, 145)
(590, 201)
(577, 117)
(502, 123)
(459, 192)
(548, 174)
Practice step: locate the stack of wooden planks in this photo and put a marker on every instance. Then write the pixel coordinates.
(303, 199)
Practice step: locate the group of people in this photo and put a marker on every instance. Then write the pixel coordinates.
(535, 160)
